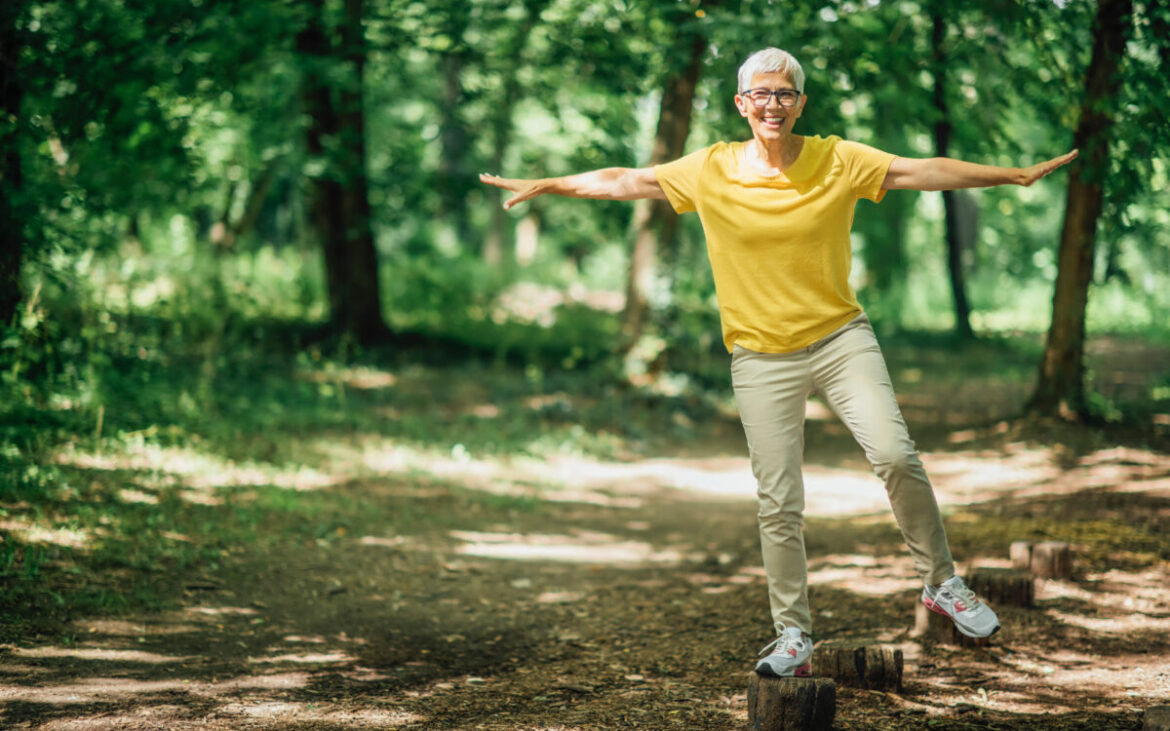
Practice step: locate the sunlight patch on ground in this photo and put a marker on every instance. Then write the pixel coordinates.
(862, 574)
(221, 611)
(362, 378)
(96, 653)
(88, 690)
(593, 548)
(196, 469)
(165, 716)
(308, 658)
(26, 532)
(308, 713)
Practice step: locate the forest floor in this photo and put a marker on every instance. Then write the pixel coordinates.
(348, 577)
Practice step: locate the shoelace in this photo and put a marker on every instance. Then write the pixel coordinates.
(783, 643)
(962, 592)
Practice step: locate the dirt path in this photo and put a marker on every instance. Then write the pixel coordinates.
(626, 595)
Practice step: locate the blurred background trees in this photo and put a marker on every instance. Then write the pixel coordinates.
(207, 165)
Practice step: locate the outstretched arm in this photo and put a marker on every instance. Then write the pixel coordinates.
(615, 184)
(944, 173)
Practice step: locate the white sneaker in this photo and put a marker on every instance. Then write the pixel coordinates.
(954, 600)
(790, 655)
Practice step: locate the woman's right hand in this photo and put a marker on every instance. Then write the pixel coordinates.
(524, 189)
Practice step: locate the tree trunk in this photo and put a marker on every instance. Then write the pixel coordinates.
(496, 242)
(338, 200)
(655, 222)
(11, 176)
(942, 139)
(1061, 387)
(454, 174)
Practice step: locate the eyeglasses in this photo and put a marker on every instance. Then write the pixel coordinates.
(760, 97)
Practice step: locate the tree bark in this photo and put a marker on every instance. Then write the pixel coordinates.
(496, 242)
(338, 200)
(942, 139)
(1060, 390)
(655, 222)
(861, 664)
(791, 704)
(454, 174)
(12, 241)
(1003, 587)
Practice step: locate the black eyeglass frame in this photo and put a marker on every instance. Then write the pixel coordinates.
(746, 93)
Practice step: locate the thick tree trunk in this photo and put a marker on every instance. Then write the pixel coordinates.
(338, 201)
(1061, 387)
(655, 222)
(11, 176)
(942, 139)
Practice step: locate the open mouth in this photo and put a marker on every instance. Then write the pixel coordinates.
(773, 122)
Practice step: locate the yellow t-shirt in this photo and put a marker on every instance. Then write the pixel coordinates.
(779, 245)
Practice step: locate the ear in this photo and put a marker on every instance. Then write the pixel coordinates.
(741, 105)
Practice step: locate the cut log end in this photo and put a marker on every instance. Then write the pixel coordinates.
(1006, 587)
(863, 664)
(791, 704)
(1047, 560)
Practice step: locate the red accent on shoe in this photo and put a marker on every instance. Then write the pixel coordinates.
(804, 671)
(934, 607)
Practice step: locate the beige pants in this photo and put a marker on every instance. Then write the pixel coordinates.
(847, 370)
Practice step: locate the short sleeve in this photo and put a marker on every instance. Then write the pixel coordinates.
(867, 167)
(680, 179)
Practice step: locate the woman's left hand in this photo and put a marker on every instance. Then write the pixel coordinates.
(1031, 174)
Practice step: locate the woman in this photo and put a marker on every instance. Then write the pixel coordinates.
(776, 211)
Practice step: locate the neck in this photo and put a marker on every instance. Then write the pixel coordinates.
(778, 153)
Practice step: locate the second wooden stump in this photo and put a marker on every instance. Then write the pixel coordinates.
(791, 704)
(860, 665)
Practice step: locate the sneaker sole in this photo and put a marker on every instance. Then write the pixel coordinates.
(933, 606)
(803, 671)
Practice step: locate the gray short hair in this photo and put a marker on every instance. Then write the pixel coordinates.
(771, 59)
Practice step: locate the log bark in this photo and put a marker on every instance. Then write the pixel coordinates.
(1156, 718)
(865, 665)
(933, 627)
(791, 704)
(1048, 560)
(1003, 587)
(1060, 390)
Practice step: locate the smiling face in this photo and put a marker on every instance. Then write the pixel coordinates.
(773, 122)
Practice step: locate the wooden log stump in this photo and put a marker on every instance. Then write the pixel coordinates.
(1003, 587)
(791, 704)
(1156, 718)
(856, 664)
(1048, 559)
(933, 627)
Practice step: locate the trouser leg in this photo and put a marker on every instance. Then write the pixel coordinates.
(770, 392)
(850, 374)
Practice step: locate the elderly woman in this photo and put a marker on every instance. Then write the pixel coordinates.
(776, 211)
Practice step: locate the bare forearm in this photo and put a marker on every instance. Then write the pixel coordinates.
(944, 173)
(615, 184)
(605, 184)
